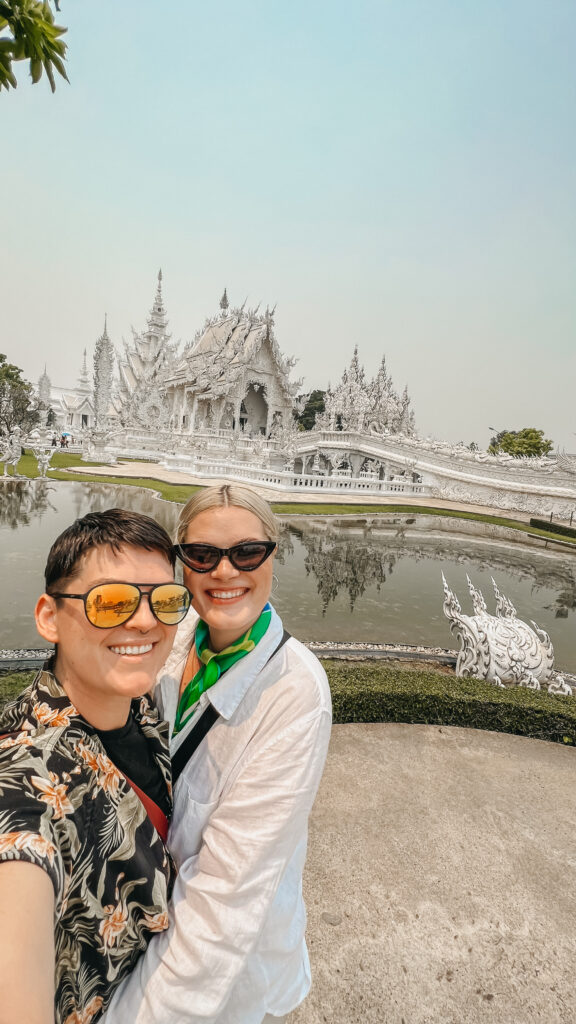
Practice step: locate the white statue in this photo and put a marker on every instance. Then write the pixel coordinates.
(43, 457)
(11, 450)
(501, 648)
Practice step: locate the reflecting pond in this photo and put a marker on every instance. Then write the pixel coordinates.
(357, 580)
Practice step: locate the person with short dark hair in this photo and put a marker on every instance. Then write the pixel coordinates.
(85, 792)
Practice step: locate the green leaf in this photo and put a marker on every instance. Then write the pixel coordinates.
(35, 37)
(49, 74)
(36, 70)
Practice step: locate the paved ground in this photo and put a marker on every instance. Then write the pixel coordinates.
(441, 879)
(171, 476)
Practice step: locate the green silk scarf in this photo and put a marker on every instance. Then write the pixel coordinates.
(214, 663)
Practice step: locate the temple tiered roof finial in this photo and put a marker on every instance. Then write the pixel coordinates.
(158, 318)
(84, 376)
(44, 386)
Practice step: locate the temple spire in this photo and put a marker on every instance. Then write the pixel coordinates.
(84, 376)
(224, 302)
(158, 318)
(44, 386)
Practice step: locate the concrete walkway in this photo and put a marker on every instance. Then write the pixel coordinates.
(153, 471)
(441, 879)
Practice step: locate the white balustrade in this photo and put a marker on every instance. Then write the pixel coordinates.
(288, 481)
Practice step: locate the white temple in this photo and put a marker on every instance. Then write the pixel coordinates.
(232, 377)
(72, 408)
(222, 406)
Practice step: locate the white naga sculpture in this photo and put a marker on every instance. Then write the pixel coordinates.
(501, 648)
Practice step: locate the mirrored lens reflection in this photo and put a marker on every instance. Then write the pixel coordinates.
(170, 602)
(111, 604)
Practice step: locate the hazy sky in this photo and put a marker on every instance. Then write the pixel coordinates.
(397, 174)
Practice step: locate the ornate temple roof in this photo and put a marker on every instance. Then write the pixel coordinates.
(227, 346)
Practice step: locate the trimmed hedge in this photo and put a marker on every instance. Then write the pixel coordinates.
(389, 692)
(547, 524)
(385, 692)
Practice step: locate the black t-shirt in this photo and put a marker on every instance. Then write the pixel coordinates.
(130, 751)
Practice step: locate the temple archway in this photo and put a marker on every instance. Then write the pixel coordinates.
(256, 409)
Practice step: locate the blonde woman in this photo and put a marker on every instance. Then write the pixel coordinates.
(249, 712)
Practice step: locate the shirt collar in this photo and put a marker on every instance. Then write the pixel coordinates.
(47, 705)
(228, 693)
(231, 688)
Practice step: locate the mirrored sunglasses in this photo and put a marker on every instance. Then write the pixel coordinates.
(245, 557)
(112, 604)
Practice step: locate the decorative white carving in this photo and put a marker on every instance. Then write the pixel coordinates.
(374, 408)
(103, 374)
(43, 457)
(143, 369)
(501, 648)
(11, 450)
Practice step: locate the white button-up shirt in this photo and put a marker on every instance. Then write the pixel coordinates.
(235, 947)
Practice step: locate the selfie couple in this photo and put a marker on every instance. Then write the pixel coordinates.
(156, 779)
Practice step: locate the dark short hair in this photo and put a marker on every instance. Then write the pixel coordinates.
(114, 528)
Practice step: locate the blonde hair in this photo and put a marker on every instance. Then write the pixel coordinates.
(225, 496)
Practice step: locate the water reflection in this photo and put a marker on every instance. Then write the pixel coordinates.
(22, 501)
(95, 497)
(340, 564)
(373, 581)
(346, 564)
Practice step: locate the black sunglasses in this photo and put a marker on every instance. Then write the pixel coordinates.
(245, 557)
(113, 604)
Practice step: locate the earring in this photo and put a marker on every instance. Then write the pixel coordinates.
(275, 583)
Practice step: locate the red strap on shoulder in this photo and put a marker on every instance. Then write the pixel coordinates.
(155, 813)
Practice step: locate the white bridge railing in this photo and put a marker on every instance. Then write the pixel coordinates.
(289, 481)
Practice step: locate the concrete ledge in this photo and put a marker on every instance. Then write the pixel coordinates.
(440, 879)
(25, 660)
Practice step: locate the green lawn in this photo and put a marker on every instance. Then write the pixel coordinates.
(65, 462)
(63, 465)
(375, 691)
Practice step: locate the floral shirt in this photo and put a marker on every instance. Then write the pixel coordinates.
(65, 806)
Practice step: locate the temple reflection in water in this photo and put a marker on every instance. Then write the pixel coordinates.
(369, 578)
(350, 564)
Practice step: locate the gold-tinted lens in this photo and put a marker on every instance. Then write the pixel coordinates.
(170, 602)
(111, 604)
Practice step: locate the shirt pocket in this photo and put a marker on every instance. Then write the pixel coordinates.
(190, 817)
